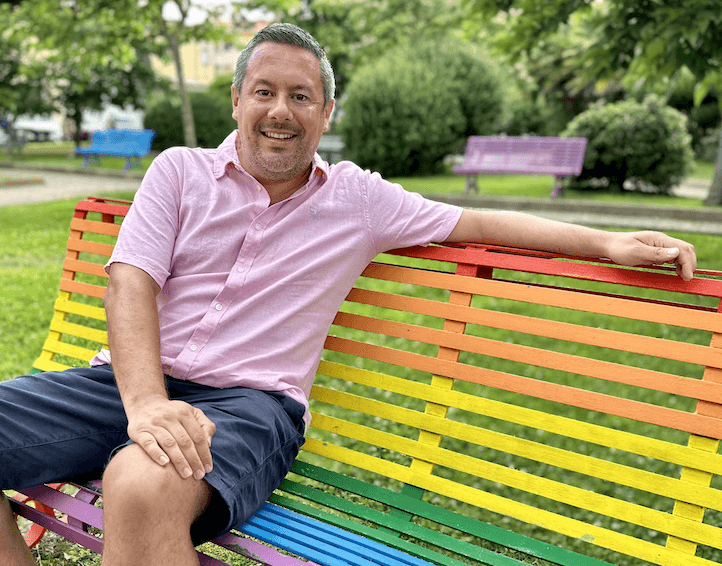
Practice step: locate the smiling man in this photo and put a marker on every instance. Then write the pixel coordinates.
(226, 276)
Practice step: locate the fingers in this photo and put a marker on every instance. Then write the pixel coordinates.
(659, 248)
(178, 434)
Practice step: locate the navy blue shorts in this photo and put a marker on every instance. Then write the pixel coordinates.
(62, 426)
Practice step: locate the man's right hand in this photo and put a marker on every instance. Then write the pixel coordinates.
(173, 432)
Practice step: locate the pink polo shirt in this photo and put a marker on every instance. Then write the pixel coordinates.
(248, 290)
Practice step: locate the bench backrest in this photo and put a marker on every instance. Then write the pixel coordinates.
(561, 157)
(567, 401)
(141, 138)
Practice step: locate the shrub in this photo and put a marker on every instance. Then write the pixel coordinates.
(408, 110)
(633, 146)
(211, 116)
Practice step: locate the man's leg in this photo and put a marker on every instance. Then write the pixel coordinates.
(13, 550)
(149, 510)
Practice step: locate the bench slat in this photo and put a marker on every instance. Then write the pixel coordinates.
(556, 424)
(579, 463)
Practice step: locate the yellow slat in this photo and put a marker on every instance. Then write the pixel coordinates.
(72, 307)
(48, 365)
(70, 350)
(579, 463)
(619, 542)
(550, 489)
(80, 331)
(637, 444)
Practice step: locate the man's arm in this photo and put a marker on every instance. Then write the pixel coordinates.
(169, 431)
(527, 231)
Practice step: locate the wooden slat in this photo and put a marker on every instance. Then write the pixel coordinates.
(571, 461)
(70, 350)
(533, 515)
(550, 489)
(600, 337)
(79, 331)
(583, 302)
(95, 227)
(528, 355)
(88, 246)
(556, 424)
(83, 288)
(72, 307)
(78, 266)
(590, 400)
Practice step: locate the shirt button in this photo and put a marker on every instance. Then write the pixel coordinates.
(194, 348)
(219, 306)
(258, 226)
(241, 270)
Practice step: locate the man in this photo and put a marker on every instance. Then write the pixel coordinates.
(224, 281)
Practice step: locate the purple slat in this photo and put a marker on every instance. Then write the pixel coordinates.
(259, 552)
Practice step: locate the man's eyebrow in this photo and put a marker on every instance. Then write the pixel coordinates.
(294, 88)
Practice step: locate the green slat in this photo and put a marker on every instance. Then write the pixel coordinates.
(475, 527)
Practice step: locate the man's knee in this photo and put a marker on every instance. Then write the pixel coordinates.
(133, 482)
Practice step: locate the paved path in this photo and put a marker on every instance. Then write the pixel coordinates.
(56, 185)
(60, 185)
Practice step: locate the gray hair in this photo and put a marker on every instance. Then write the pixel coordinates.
(290, 35)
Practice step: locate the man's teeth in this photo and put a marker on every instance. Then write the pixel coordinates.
(278, 136)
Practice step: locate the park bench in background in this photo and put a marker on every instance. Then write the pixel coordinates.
(560, 157)
(131, 144)
(475, 404)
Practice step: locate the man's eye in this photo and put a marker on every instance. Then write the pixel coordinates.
(300, 97)
(263, 92)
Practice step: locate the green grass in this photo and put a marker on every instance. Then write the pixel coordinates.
(32, 243)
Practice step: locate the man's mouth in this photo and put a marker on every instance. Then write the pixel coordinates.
(278, 136)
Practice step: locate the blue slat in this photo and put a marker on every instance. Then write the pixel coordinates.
(303, 535)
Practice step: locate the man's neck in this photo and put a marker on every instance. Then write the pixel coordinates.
(281, 190)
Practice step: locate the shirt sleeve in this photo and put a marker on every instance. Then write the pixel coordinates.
(147, 235)
(398, 218)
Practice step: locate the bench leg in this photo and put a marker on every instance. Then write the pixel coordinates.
(558, 190)
(471, 185)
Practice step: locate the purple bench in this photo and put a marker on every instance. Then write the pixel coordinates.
(560, 157)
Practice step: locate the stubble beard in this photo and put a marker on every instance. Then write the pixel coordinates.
(281, 165)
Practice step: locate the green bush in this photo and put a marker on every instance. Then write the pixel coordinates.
(211, 116)
(412, 107)
(633, 146)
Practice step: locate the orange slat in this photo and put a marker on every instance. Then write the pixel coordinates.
(634, 410)
(78, 266)
(88, 246)
(608, 371)
(584, 302)
(645, 345)
(105, 228)
(82, 288)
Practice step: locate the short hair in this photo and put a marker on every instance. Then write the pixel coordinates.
(288, 34)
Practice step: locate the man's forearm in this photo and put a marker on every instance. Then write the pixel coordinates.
(134, 335)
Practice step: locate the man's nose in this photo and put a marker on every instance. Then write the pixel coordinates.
(280, 109)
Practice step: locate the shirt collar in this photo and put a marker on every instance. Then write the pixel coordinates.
(227, 155)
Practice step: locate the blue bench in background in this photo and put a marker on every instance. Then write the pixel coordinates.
(131, 144)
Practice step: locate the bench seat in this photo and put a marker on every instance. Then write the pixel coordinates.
(131, 144)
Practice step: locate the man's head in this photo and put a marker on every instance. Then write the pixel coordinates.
(282, 100)
(290, 35)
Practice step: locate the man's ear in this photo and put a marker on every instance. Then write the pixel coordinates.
(235, 99)
(327, 114)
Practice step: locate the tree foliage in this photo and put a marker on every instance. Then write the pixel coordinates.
(633, 146)
(412, 107)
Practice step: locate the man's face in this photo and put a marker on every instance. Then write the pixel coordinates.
(280, 112)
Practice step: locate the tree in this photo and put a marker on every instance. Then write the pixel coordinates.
(639, 38)
(96, 51)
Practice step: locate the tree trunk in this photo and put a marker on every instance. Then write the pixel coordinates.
(715, 191)
(189, 129)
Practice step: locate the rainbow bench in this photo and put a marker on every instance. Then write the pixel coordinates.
(474, 405)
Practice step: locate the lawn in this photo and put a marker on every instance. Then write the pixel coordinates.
(32, 240)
